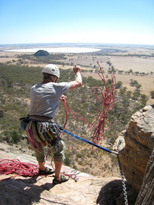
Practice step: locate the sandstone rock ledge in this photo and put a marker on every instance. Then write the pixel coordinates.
(40, 190)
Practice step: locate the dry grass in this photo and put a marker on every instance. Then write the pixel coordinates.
(135, 63)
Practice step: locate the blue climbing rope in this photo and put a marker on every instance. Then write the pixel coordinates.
(84, 140)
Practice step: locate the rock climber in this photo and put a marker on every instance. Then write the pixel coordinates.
(44, 100)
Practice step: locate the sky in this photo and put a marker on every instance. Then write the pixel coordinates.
(77, 21)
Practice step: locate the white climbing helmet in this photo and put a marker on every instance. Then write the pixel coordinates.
(51, 69)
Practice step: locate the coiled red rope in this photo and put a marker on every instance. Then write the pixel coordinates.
(15, 166)
(104, 103)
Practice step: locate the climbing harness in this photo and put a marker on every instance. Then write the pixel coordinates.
(48, 133)
(122, 176)
(51, 133)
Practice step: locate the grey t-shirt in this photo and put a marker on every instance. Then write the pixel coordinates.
(44, 98)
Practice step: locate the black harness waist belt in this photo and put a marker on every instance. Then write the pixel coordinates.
(40, 118)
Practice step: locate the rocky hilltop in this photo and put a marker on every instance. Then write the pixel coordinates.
(136, 157)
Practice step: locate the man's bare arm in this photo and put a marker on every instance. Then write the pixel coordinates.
(78, 78)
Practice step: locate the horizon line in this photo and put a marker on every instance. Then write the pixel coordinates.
(137, 44)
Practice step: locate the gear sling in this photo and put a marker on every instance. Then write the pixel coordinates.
(47, 132)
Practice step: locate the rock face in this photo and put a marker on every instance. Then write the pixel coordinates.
(139, 139)
(146, 194)
(137, 161)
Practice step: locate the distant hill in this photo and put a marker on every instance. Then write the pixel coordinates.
(41, 53)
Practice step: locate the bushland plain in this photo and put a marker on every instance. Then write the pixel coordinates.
(123, 58)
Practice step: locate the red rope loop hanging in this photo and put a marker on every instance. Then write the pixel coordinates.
(105, 101)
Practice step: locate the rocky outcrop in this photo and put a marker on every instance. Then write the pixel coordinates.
(146, 194)
(137, 162)
(139, 139)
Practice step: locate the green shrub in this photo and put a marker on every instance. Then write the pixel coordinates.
(67, 160)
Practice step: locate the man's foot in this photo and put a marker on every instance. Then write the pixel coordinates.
(47, 171)
(62, 180)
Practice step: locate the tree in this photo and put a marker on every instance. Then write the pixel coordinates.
(130, 71)
(129, 93)
(15, 137)
(118, 84)
(152, 94)
(138, 86)
(109, 63)
(136, 73)
(133, 82)
(123, 91)
(135, 95)
(120, 71)
(144, 99)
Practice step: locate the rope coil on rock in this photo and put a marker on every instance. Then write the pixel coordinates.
(15, 166)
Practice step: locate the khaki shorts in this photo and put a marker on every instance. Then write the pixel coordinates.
(57, 149)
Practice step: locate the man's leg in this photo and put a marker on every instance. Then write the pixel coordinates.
(39, 152)
(41, 165)
(58, 166)
(39, 149)
(58, 159)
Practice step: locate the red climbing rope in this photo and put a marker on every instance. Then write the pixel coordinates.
(14, 166)
(105, 101)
